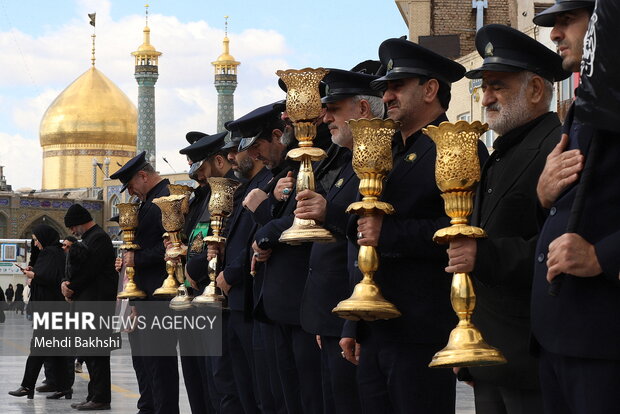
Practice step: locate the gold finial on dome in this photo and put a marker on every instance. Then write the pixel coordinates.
(146, 53)
(225, 62)
(92, 59)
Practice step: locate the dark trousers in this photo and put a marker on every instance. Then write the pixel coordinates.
(242, 358)
(196, 378)
(299, 365)
(579, 385)
(394, 377)
(493, 399)
(339, 379)
(269, 388)
(158, 378)
(60, 366)
(99, 386)
(196, 384)
(223, 377)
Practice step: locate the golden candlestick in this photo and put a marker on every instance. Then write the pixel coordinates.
(221, 206)
(372, 161)
(182, 300)
(172, 219)
(457, 171)
(303, 106)
(128, 222)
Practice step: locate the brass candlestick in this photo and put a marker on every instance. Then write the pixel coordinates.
(372, 161)
(457, 171)
(303, 105)
(221, 205)
(172, 220)
(128, 222)
(182, 300)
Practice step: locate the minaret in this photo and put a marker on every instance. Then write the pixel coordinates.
(225, 83)
(146, 75)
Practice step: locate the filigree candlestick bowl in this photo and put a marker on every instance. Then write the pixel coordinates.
(128, 222)
(372, 161)
(457, 171)
(303, 106)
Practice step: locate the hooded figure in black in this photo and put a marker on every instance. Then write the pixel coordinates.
(45, 277)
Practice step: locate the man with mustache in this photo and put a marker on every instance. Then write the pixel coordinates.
(576, 290)
(517, 83)
(393, 373)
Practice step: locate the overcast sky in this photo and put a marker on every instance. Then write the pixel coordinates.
(45, 45)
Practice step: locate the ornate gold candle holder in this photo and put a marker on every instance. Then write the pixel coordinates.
(303, 105)
(128, 222)
(183, 300)
(457, 171)
(221, 206)
(372, 161)
(184, 190)
(172, 219)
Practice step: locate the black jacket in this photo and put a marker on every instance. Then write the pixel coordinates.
(95, 279)
(149, 261)
(48, 273)
(507, 208)
(328, 277)
(582, 320)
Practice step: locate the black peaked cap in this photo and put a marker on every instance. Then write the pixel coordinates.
(505, 49)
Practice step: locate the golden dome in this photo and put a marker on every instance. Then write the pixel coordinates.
(92, 110)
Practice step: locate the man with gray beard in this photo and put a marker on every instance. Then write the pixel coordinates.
(517, 75)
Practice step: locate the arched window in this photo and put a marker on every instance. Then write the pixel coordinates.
(113, 206)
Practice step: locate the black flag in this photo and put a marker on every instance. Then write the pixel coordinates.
(598, 96)
(92, 16)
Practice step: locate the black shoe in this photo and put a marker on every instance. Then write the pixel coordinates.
(78, 404)
(91, 406)
(68, 394)
(47, 388)
(21, 391)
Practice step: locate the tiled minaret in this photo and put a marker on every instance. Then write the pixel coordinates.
(225, 83)
(146, 74)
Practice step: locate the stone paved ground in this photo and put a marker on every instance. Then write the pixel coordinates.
(124, 386)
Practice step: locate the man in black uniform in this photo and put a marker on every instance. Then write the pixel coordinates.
(517, 81)
(206, 158)
(158, 376)
(262, 130)
(235, 279)
(209, 159)
(92, 279)
(393, 373)
(349, 96)
(577, 326)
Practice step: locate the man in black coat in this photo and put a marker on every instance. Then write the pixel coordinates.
(235, 279)
(517, 81)
(349, 97)
(576, 327)
(393, 373)
(92, 278)
(158, 376)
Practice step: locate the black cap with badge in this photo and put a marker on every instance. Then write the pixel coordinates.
(205, 147)
(505, 49)
(193, 136)
(546, 18)
(341, 84)
(405, 59)
(259, 123)
(131, 167)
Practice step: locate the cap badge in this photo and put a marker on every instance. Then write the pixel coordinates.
(390, 65)
(339, 183)
(488, 50)
(326, 89)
